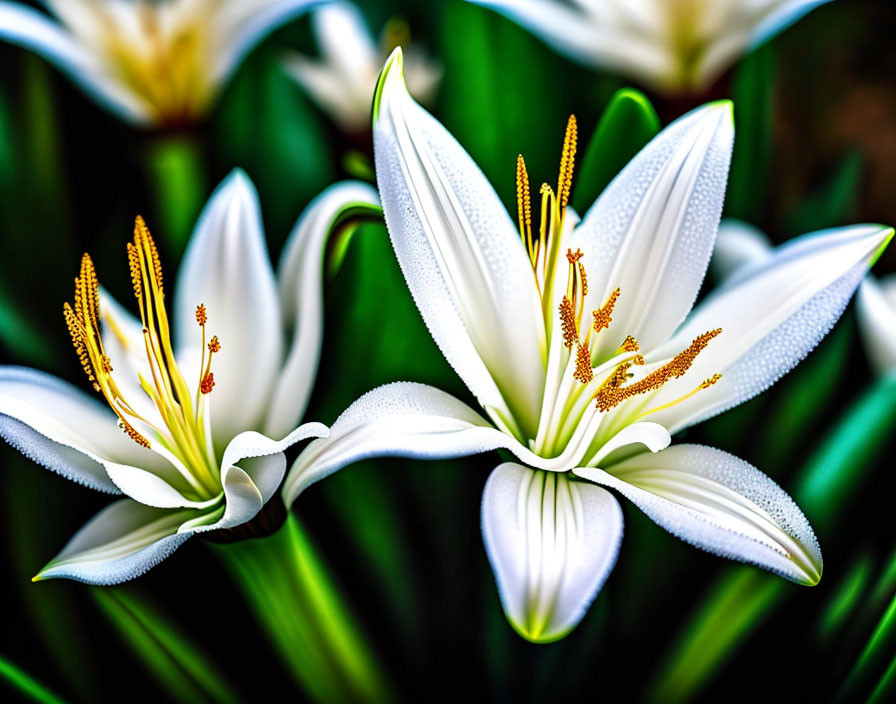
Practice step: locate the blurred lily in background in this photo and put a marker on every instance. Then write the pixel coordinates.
(343, 79)
(740, 245)
(578, 340)
(150, 63)
(188, 437)
(672, 46)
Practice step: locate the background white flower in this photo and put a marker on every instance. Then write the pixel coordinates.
(183, 471)
(343, 79)
(672, 46)
(148, 62)
(579, 398)
(741, 244)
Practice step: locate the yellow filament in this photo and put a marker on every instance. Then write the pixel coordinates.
(567, 162)
(705, 384)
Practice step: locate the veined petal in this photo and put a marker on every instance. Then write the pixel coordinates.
(414, 420)
(876, 309)
(721, 504)
(300, 284)
(62, 428)
(460, 253)
(772, 315)
(551, 542)
(226, 268)
(651, 232)
(737, 245)
(241, 24)
(36, 31)
(121, 542)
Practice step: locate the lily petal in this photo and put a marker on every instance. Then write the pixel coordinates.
(62, 428)
(121, 542)
(721, 504)
(300, 284)
(876, 309)
(460, 254)
(652, 231)
(737, 245)
(36, 31)
(242, 24)
(226, 268)
(344, 40)
(551, 543)
(772, 315)
(415, 420)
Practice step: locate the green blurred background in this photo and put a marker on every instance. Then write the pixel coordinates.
(816, 147)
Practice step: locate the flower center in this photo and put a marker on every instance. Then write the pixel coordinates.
(180, 425)
(162, 65)
(577, 371)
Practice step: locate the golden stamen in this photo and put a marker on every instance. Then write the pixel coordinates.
(568, 323)
(201, 315)
(207, 383)
(630, 344)
(567, 162)
(610, 397)
(583, 373)
(524, 203)
(603, 316)
(214, 345)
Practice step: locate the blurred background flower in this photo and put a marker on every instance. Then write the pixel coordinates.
(816, 147)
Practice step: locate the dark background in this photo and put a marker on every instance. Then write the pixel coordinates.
(402, 537)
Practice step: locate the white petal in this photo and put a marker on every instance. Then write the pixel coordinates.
(460, 254)
(252, 444)
(62, 428)
(120, 543)
(347, 106)
(300, 284)
(226, 268)
(344, 40)
(721, 504)
(772, 315)
(737, 245)
(876, 309)
(35, 31)
(239, 25)
(552, 543)
(652, 231)
(414, 420)
(153, 488)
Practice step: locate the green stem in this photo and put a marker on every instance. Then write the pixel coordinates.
(298, 605)
(176, 172)
(25, 684)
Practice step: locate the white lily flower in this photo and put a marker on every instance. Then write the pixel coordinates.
(205, 420)
(673, 46)
(585, 377)
(741, 245)
(343, 80)
(147, 61)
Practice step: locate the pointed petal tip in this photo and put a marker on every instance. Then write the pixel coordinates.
(394, 66)
(886, 234)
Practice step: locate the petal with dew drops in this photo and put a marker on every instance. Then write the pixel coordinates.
(652, 231)
(300, 284)
(721, 504)
(460, 254)
(121, 542)
(552, 542)
(227, 269)
(772, 314)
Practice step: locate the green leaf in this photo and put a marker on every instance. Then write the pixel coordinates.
(628, 123)
(297, 603)
(834, 203)
(744, 597)
(265, 125)
(26, 685)
(873, 659)
(886, 687)
(846, 599)
(753, 90)
(185, 674)
(177, 175)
